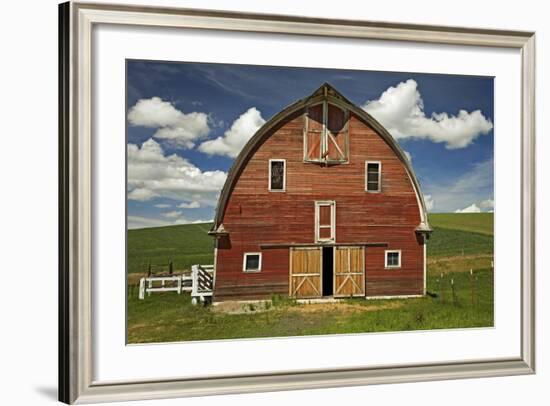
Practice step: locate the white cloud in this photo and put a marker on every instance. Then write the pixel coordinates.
(172, 214)
(487, 204)
(135, 222)
(234, 139)
(400, 110)
(179, 129)
(162, 206)
(183, 220)
(429, 201)
(408, 155)
(202, 221)
(190, 205)
(145, 222)
(141, 194)
(475, 185)
(151, 174)
(473, 208)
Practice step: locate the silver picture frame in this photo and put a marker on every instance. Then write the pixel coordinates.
(76, 22)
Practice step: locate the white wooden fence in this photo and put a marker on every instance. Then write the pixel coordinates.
(200, 283)
(203, 282)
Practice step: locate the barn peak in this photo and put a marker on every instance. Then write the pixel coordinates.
(327, 90)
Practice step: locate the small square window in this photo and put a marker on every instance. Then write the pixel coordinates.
(393, 259)
(252, 262)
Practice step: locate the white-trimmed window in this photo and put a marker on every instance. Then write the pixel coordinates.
(373, 176)
(325, 221)
(393, 259)
(252, 262)
(277, 175)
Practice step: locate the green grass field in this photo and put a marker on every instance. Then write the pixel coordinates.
(461, 235)
(479, 223)
(185, 245)
(170, 317)
(460, 242)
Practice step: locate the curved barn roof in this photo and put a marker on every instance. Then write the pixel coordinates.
(324, 92)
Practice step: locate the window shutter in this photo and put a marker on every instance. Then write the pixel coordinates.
(314, 133)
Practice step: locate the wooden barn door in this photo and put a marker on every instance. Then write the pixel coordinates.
(349, 271)
(305, 272)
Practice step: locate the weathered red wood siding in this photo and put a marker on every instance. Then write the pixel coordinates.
(255, 216)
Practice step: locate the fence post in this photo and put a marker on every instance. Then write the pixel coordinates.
(170, 267)
(179, 284)
(453, 291)
(150, 285)
(441, 298)
(194, 284)
(142, 288)
(472, 285)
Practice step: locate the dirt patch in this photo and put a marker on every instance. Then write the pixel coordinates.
(133, 278)
(459, 263)
(231, 307)
(458, 257)
(138, 327)
(260, 307)
(343, 307)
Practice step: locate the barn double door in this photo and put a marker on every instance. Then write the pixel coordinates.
(306, 272)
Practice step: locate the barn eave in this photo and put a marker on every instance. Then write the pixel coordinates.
(424, 228)
(219, 231)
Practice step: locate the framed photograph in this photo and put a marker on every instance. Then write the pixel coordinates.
(256, 202)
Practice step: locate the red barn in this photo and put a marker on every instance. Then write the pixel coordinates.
(320, 202)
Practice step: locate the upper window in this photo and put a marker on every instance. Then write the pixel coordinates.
(252, 262)
(277, 175)
(326, 134)
(373, 176)
(393, 259)
(325, 221)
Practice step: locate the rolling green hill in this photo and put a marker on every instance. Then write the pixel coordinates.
(458, 234)
(185, 245)
(481, 223)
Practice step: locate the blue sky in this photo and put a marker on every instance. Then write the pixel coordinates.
(186, 122)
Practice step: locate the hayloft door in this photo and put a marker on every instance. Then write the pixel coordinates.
(305, 272)
(349, 271)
